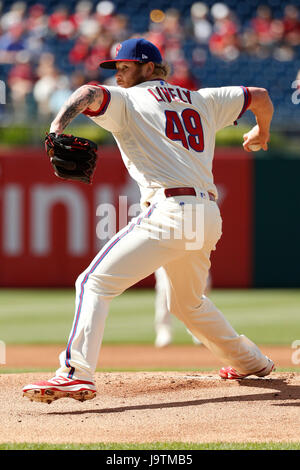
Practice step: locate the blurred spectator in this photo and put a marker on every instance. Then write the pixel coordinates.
(99, 51)
(98, 34)
(36, 25)
(14, 16)
(284, 53)
(37, 21)
(173, 33)
(104, 13)
(85, 23)
(91, 31)
(60, 23)
(35, 46)
(224, 21)
(119, 28)
(199, 56)
(64, 88)
(262, 24)
(250, 44)
(224, 42)
(20, 81)
(172, 24)
(291, 25)
(182, 76)
(156, 36)
(81, 49)
(265, 34)
(277, 31)
(200, 25)
(60, 94)
(168, 36)
(48, 76)
(11, 43)
(82, 14)
(78, 79)
(89, 50)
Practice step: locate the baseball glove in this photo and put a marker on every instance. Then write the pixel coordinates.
(73, 158)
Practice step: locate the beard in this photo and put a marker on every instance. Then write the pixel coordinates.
(138, 76)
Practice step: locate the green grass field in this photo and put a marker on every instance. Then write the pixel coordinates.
(156, 446)
(41, 316)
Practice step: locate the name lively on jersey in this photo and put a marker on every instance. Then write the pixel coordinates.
(171, 94)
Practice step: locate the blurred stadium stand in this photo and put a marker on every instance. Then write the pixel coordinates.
(229, 43)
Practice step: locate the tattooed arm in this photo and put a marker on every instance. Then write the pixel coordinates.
(84, 97)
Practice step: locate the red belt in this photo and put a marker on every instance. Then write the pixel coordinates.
(170, 192)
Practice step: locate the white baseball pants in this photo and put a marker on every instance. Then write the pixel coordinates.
(163, 318)
(155, 239)
(162, 314)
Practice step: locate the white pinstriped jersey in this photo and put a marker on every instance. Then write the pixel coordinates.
(166, 134)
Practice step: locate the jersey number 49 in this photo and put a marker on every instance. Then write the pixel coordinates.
(186, 128)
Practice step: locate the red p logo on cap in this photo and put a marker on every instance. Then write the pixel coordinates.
(118, 48)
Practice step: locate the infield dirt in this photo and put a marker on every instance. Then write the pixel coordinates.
(145, 407)
(132, 356)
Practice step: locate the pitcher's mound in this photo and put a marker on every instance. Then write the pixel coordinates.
(139, 407)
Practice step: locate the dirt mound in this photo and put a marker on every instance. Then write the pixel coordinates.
(157, 406)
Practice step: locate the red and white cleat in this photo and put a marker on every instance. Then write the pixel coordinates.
(230, 373)
(60, 387)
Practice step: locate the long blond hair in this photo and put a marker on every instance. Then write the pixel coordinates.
(162, 70)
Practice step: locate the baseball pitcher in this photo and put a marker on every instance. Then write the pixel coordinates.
(166, 136)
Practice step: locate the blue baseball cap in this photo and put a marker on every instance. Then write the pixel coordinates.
(134, 50)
